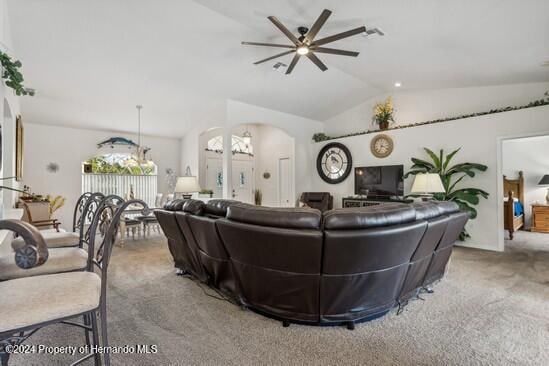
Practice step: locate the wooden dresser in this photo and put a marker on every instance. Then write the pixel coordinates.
(540, 218)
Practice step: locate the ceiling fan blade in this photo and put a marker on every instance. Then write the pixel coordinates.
(284, 30)
(266, 44)
(292, 64)
(337, 37)
(316, 61)
(334, 51)
(317, 25)
(275, 56)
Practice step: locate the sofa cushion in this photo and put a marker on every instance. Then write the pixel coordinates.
(59, 260)
(193, 207)
(290, 218)
(218, 207)
(40, 299)
(174, 205)
(368, 217)
(53, 239)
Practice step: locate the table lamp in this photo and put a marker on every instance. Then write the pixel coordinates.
(545, 182)
(187, 184)
(426, 184)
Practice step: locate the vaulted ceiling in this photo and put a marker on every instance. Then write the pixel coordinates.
(91, 62)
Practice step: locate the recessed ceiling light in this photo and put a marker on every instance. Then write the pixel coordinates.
(398, 84)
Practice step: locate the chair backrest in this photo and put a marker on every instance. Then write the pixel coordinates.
(158, 200)
(107, 220)
(322, 201)
(78, 208)
(86, 217)
(37, 211)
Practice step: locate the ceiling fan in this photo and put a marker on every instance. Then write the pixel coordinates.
(305, 45)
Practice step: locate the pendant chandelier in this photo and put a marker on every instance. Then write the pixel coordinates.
(247, 137)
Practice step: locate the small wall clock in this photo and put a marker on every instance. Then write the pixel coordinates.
(381, 146)
(334, 163)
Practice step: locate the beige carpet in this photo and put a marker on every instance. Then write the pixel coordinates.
(492, 309)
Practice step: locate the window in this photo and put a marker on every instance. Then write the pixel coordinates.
(238, 145)
(121, 174)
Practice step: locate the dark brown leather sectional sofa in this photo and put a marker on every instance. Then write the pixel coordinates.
(301, 265)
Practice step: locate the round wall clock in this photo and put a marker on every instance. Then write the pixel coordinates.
(381, 146)
(334, 163)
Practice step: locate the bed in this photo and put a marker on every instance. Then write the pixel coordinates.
(513, 207)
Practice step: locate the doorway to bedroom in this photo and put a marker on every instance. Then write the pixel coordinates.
(525, 169)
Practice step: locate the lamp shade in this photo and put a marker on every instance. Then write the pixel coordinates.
(544, 180)
(427, 183)
(187, 184)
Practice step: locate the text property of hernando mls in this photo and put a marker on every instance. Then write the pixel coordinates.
(73, 350)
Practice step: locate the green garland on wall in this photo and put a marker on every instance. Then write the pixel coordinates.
(319, 137)
(12, 76)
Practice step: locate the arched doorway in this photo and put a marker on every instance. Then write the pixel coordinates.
(261, 165)
(211, 175)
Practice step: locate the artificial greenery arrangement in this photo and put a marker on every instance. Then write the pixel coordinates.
(451, 176)
(319, 137)
(12, 76)
(105, 165)
(258, 197)
(55, 203)
(206, 191)
(383, 114)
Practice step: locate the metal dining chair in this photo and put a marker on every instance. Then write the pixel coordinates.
(81, 219)
(61, 259)
(32, 303)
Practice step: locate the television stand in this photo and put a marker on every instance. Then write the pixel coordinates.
(370, 201)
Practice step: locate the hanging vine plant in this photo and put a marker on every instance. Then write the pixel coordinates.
(12, 76)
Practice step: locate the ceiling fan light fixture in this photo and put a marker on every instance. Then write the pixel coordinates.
(303, 50)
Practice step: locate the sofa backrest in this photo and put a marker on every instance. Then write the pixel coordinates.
(370, 238)
(366, 255)
(217, 208)
(177, 243)
(288, 218)
(276, 257)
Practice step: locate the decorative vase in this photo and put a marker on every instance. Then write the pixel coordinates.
(383, 125)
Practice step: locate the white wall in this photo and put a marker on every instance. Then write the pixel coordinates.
(420, 106)
(69, 147)
(272, 144)
(9, 109)
(531, 155)
(478, 138)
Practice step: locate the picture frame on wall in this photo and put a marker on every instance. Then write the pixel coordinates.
(18, 149)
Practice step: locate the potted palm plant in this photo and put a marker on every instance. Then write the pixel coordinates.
(383, 114)
(451, 177)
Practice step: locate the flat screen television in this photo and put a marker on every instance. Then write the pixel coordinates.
(380, 181)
